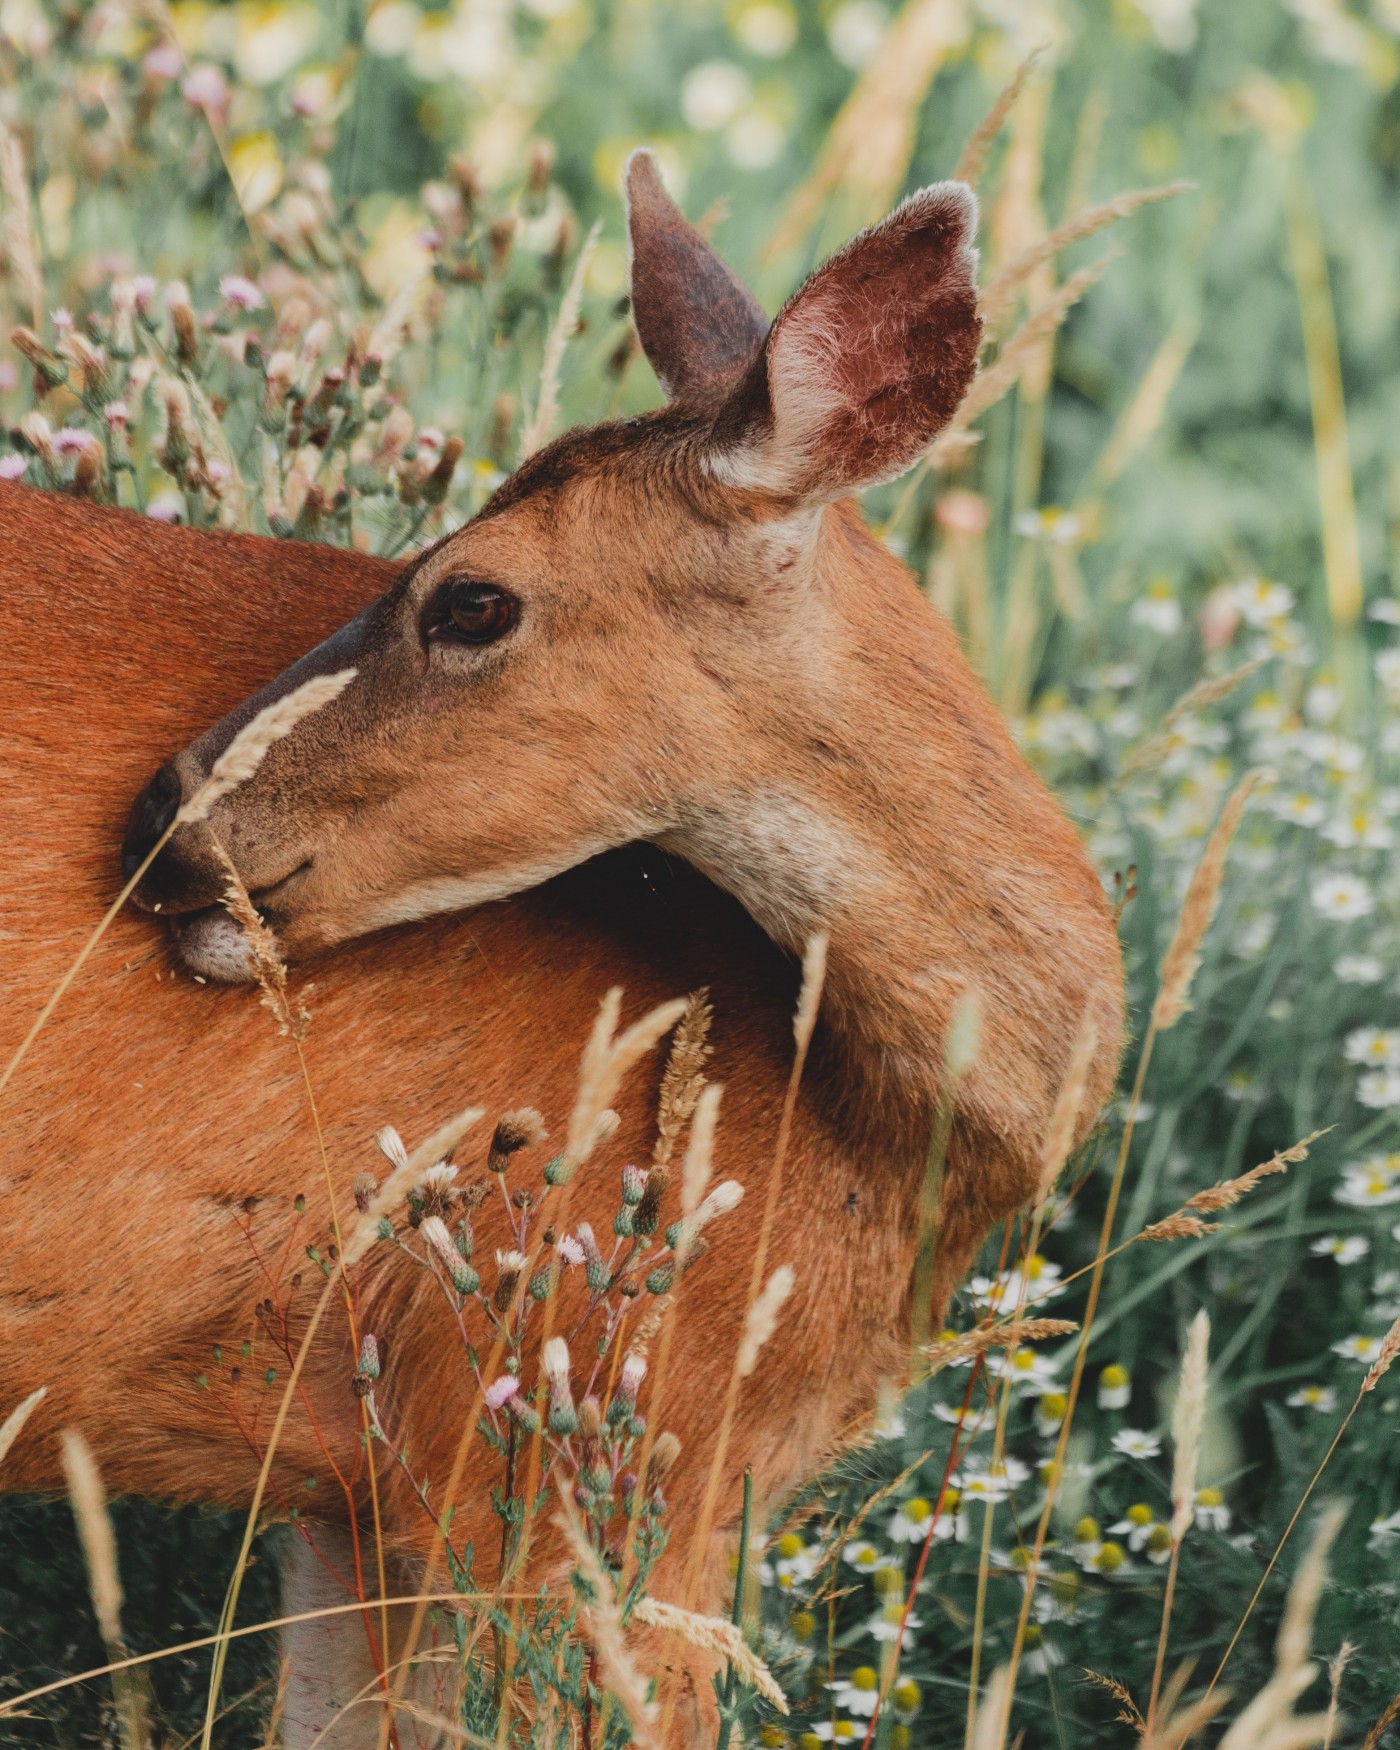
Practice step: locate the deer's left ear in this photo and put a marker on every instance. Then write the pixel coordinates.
(868, 361)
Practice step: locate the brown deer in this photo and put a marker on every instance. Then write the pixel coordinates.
(668, 635)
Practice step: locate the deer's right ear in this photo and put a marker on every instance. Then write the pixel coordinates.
(698, 323)
(866, 363)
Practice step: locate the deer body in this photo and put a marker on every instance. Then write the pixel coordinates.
(699, 647)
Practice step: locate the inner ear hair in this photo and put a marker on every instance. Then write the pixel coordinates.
(866, 363)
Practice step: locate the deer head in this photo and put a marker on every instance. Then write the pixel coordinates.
(641, 635)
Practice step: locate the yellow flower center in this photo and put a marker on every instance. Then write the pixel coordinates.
(917, 1510)
(789, 1545)
(1087, 1531)
(1110, 1557)
(1139, 1514)
(1114, 1377)
(864, 1677)
(1209, 1498)
(907, 1695)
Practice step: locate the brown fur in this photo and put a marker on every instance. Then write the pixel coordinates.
(734, 672)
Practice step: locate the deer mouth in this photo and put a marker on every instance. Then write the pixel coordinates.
(212, 944)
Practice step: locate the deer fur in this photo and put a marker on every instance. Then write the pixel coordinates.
(726, 719)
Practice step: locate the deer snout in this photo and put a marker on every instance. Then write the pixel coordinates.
(151, 814)
(185, 875)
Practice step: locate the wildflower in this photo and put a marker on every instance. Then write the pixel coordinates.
(1136, 1525)
(835, 1731)
(1383, 1532)
(436, 1193)
(1024, 1366)
(516, 1130)
(854, 30)
(1321, 1398)
(1037, 1279)
(461, 1274)
(995, 1483)
(1379, 1088)
(861, 1554)
(1109, 1559)
(1360, 827)
(1211, 1512)
(713, 94)
(885, 1626)
(13, 466)
(1115, 1387)
(1040, 1655)
(1088, 1542)
(501, 1391)
(859, 1692)
(1376, 1046)
(1357, 969)
(1372, 1183)
(569, 1250)
(1342, 897)
(1261, 603)
(1135, 1443)
(509, 1265)
(1362, 1349)
(240, 293)
(907, 1697)
(367, 1367)
(1348, 1250)
(1157, 1546)
(1158, 610)
(1298, 808)
(910, 1524)
(1051, 524)
(1050, 1413)
(206, 88)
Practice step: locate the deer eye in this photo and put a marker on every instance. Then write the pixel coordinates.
(471, 613)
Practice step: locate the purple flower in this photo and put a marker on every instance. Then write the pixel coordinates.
(12, 467)
(501, 1391)
(240, 292)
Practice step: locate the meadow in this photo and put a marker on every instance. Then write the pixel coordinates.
(326, 271)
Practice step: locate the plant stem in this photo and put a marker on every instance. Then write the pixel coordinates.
(731, 1682)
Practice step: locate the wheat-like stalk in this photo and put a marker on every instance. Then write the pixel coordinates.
(761, 1320)
(17, 227)
(1183, 955)
(1064, 1114)
(1153, 748)
(973, 160)
(684, 1076)
(712, 1634)
(250, 747)
(14, 1422)
(541, 425)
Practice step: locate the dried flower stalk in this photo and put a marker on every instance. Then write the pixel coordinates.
(712, 1634)
(1183, 955)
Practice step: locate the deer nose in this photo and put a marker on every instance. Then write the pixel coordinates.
(151, 814)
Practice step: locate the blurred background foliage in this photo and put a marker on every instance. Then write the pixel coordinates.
(1199, 468)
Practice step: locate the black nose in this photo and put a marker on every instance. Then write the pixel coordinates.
(151, 813)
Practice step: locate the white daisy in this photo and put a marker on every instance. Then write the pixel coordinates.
(1383, 1532)
(1211, 1512)
(1115, 1387)
(1377, 1047)
(1025, 1366)
(1379, 1088)
(885, 1626)
(859, 1692)
(1136, 1443)
(837, 1731)
(1348, 1249)
(1342, 897)
(1321, 1398)
(1357, 969)
(1359, 826)
(1362, 1349)
(1260, 602)
(1136, 1525)
(911, 1523)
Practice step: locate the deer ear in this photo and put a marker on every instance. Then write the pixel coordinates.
(698, 323)
(866, 363)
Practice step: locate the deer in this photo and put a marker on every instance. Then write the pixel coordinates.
(661, 712)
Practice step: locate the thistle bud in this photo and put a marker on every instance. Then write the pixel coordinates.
(365, 1187)
(462, 1276)
(563, 1417)
(634, 1185)
(182, 324)
(624, 1399)
(509, 1266)
(367, 1367)
(647, 1218)
(435, 487)
(516, 1130)
(664, 1453)
(595, 1269)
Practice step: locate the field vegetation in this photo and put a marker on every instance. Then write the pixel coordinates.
(327, 271)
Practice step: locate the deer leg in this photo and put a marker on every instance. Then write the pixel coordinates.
(332, 1698)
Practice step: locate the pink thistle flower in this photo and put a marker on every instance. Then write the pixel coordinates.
(71, 442)
(569, 1250)
(236, 289)
(206, 88)
(116, 413)
(164, 61)
(501, 1391)
(13, 466)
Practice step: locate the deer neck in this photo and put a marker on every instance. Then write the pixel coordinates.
(843, 815)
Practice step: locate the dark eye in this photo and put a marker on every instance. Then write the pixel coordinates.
(472, 613)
